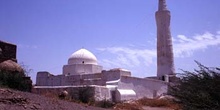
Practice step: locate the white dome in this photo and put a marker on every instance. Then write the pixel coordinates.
(82, 56)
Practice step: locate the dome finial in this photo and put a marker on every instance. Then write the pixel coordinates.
(162, 5)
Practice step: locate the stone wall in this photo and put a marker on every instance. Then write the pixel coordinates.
(46, 79)
(7, 51)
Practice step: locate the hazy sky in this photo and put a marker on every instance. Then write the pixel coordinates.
(120, 33)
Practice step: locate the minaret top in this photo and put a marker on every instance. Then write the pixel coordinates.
(162, 5)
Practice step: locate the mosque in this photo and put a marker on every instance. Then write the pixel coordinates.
(115, 84)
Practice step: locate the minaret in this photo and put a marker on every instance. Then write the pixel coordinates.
(165, 64)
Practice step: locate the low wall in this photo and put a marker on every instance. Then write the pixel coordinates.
(98, 92)
(144, 87)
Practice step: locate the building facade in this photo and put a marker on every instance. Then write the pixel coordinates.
(115, 84)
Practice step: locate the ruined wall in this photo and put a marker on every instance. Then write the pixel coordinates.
(7, 51)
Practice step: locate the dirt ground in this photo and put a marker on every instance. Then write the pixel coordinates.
(17, 100)
(155, 108)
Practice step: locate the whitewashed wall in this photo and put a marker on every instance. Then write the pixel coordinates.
(143, 87)
(77, 69)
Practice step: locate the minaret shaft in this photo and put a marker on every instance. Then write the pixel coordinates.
(162, 5)
(165, 63)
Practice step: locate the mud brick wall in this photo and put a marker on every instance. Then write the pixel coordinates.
(7, 51)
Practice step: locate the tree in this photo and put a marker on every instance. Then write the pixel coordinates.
(198, 90)
(26, 69)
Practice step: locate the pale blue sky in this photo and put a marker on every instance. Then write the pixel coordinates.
(121, 33)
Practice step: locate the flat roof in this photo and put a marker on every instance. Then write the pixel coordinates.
(6, 42)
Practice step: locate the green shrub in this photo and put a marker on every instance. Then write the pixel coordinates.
(15, 80)
(198, 90)
(83, 94)
(104, 104)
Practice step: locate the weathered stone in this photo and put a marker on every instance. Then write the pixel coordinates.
(162, 5)
(165, 62)
(7, 51)
(8, 59)
(10, 65)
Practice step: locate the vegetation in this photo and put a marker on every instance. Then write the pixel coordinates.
(159, 103)
(198, 90)
(15, 80)
(26, 69)
(139, 104)
(128, 106)
(83, 94)
(104, 104)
